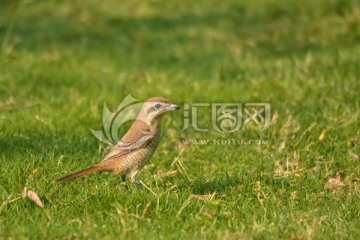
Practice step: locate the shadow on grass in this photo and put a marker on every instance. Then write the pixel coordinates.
(46, 145)
(218, 184)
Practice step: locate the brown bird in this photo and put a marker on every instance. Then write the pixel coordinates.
(137, 146)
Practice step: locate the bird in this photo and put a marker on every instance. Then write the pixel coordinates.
(136, 147)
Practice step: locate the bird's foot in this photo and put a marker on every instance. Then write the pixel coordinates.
(126, 186)
(123, 178)
(138, 185)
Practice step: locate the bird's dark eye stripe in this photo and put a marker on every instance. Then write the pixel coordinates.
(150, 110)
(153, 108)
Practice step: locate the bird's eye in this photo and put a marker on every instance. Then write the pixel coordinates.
(157, 105)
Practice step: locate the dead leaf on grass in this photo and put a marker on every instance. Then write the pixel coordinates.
(275, 118)
(294, 163)
(335, 182)
(352, 143)
(34, 197)
(291, 169)
(322, 135)
(282, 146)
(353, 155)
(183, 146)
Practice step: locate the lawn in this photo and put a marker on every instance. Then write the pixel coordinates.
(60, 61)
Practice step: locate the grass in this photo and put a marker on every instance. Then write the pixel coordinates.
(61, 60)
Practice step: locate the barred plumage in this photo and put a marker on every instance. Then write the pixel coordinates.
(137, 146)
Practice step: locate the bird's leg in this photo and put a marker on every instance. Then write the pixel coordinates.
(123, 178)
(133, 179)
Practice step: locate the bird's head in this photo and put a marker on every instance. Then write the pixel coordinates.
(155, 108)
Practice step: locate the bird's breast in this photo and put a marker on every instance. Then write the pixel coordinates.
(137, 159)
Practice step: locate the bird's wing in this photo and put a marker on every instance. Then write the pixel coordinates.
(123, 148)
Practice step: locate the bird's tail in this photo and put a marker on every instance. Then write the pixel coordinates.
(78, 174)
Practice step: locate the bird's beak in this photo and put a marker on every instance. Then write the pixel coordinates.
(172, 107)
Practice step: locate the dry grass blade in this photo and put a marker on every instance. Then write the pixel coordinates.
(177, 158)
(184, 205)
(204, 196)
(275, 118)
(6, 201)
(259, 193)
(172, 173)
(180, 167)
(282, 146)
(293, 164)
(24, 193)
(199, 197)
(146, 209)
(145, 186)
(182, 172)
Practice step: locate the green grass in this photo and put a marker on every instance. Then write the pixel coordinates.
(61, 60)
